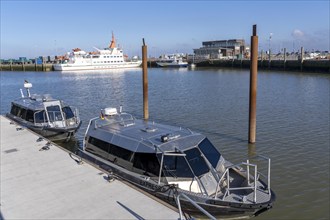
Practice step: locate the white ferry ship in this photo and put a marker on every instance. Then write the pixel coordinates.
(108, 58)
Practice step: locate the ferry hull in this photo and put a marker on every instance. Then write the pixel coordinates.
(76, 67)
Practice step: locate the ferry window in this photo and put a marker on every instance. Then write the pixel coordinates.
(210, 152)
(147, 162)
(196, 161)
(40, 117)
(176, 167)
(120, 152)
(54, 113)
(29, 116)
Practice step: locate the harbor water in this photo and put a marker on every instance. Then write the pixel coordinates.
(292, 118)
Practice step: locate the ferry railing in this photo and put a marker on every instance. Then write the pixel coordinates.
(256, 176)
(194, 204)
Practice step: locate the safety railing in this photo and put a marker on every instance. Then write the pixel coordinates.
(251, 185)
(194, 204)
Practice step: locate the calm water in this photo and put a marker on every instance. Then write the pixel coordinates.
(292, 119)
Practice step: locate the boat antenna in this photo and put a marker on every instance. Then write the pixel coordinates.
(27, 86)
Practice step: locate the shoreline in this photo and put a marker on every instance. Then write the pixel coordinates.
(317, 66)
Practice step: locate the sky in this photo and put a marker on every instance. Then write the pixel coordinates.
(48, 28)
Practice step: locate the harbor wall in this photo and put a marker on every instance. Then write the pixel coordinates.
(289, 65)
(322, 66)
(27, 67)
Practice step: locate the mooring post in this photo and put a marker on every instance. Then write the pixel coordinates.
(284, 61)
(253, 86)
(301, 58)
(35, 65)
(145, 81)
(269, 58)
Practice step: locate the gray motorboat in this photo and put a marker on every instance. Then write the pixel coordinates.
(51, 118)
(177, 165)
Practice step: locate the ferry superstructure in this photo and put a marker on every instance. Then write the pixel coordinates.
(111, 57)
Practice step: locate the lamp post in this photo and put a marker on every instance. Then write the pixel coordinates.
(269, 51)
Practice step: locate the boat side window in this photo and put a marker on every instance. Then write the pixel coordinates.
(29, 116)
(22, 113)
(147, 162)
(14, 110)
(196, 161)
(120, 152)
(67, 112)
(176, 166)
(54, 113)
(99, 144)
(210, 152)
(40, 117)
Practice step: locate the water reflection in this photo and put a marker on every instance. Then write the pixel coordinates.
(292, 119)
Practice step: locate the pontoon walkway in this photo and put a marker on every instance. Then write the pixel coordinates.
(37, 183)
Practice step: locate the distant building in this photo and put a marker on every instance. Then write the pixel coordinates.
(221, 49)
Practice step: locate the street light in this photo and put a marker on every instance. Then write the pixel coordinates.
(270, 38)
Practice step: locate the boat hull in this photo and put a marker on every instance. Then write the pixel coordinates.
(76, 67)
(172, 65)
(168, 193)
(53, 134)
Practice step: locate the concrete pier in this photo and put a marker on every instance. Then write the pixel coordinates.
(41, 183)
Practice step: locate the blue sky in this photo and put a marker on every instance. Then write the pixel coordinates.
(41, 28)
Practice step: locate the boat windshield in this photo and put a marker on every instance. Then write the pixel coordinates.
(196, 162)
(210, 152)
(54, 113)
(176, 166)
(189, 166)
(67, 112)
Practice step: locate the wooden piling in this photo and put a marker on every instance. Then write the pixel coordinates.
(301, 58)
(284, 61)
(35, 65)
(269, 59)
(145, 81)
(253, 86)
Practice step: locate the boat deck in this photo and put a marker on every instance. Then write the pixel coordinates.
(37, 183)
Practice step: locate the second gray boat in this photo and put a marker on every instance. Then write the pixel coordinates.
(177, 165)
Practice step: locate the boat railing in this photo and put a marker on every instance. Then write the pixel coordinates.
(251, 181)
(124, 119)
(194, 204)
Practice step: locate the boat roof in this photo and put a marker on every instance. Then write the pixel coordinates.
(35, 102)
(139, 135)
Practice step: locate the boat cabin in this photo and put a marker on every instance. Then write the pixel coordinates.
(42, 109)
(165, 154)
